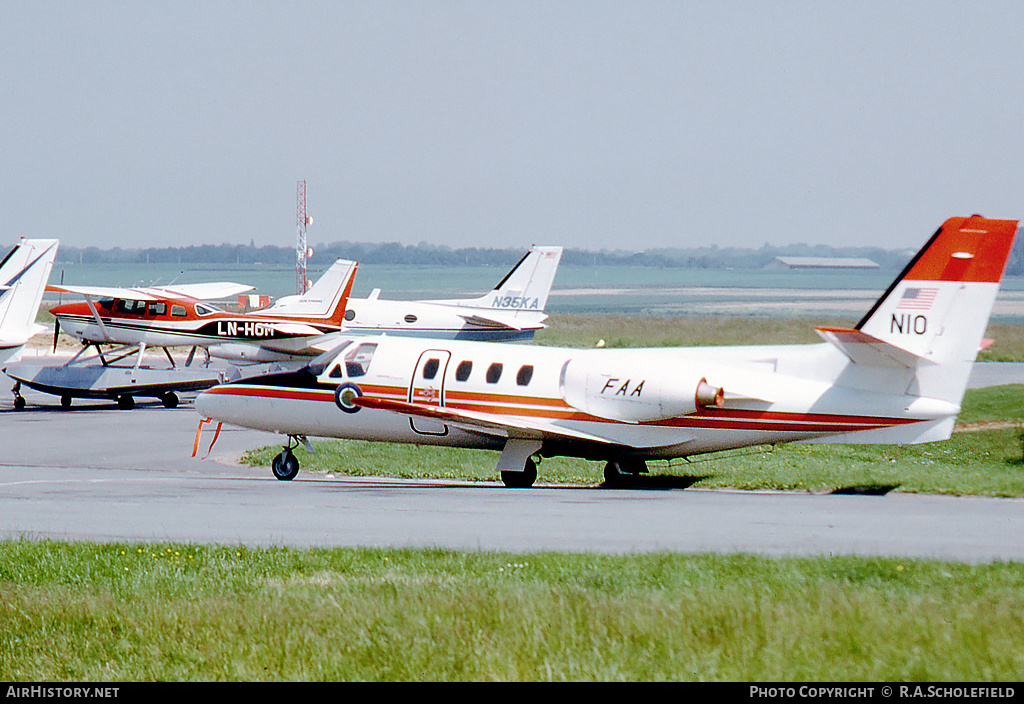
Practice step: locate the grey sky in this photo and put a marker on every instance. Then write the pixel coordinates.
(622, 125)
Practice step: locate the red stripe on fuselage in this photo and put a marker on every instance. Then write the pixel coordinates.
(556, 409)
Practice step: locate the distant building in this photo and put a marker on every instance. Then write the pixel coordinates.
(822, 263)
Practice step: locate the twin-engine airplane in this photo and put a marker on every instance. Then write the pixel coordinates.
(23, 275)
(512, 312)
(897, 377)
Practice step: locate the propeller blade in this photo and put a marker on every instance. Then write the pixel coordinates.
(56, 332)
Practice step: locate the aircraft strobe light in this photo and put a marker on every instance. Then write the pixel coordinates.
(634, 394)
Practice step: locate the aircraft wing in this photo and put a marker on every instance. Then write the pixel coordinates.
(488, 423)
(295, 329)
(205, 292)
(131, 294)
(497, 320)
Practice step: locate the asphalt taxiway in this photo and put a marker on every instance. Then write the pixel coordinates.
(101, 474)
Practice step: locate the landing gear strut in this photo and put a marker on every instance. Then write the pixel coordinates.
(623, 472)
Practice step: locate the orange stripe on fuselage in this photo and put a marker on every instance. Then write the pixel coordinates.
(555, 409)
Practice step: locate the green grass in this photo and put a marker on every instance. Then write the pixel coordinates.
(183, 612)
(985, 457)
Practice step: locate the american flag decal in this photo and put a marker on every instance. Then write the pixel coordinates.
(917, 299)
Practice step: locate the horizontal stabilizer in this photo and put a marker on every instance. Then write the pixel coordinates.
(865, 349)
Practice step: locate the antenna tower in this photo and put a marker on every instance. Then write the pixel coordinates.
(301, 251)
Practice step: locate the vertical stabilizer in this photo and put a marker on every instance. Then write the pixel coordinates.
(23, 276)
(525, 287)
(937, 310)
(324, 301)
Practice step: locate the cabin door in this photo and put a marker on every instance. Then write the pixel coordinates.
(427, 387)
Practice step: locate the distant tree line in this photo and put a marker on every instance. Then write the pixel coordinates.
(712, 257)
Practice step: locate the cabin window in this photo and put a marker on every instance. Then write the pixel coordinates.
(350, 314)
(179, 311)
(463, 370)
(132, 307)
(158, 308)
(524, 375)
(357, 362)
(431, 367)
(204, 310)
(335, 372)
(106, 303)
(494, 373)
(410, 318)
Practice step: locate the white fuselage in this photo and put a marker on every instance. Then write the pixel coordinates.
(439, 320)
(583, 402)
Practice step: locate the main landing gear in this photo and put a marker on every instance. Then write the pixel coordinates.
(285, 466)
(523, 479)
(623, 472)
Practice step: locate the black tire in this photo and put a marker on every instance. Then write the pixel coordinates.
(521, 480)
(170, 399)
(19, 402)
(65, 402)
(285, 466)
(126, 402)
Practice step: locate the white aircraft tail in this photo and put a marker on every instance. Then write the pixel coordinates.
(325, 300)
(930, 322)
(525, 287)
(23, 276)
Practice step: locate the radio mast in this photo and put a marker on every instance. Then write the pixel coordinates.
(301, 251)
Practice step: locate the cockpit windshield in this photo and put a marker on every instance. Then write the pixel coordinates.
(319, 363)
(207, 309)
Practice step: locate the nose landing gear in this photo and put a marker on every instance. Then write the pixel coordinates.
(285, 466)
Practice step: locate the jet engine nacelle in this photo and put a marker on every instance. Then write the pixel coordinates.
(625, 392)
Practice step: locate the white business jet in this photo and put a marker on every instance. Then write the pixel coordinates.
(512, 312)
(897, 377)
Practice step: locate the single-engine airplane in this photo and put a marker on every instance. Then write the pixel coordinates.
(178, 316)
(897, 377)
(23, 275)
(171, 316)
